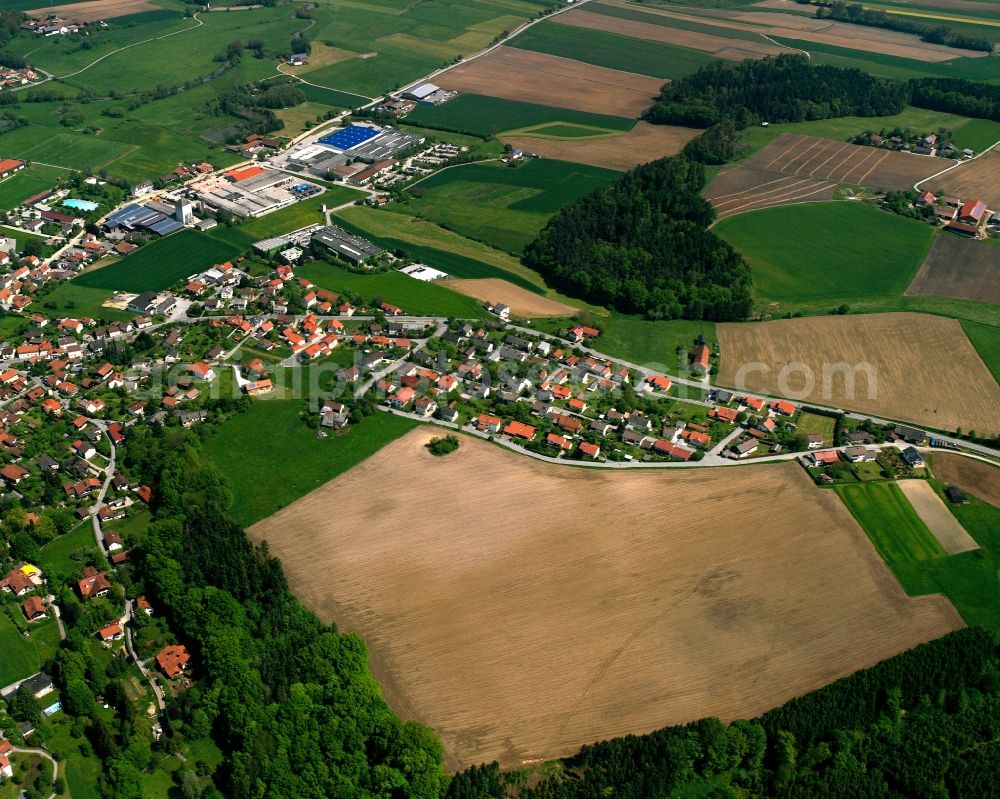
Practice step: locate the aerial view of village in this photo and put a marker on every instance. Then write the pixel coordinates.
(499, 399)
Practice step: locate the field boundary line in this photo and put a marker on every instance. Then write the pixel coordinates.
(787, 46)
(328, 88)
(861, 181)
(453, 166)
(765, 207)
(134, 44)
(829, 158)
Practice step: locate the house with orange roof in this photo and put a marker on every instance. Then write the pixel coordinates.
(110, 633)
(172, 660)
(490, 423)
(202, 371)
(754, 402)
(33, 608)
(659, 382)
(561, 443)
(783, 407)
(520, 430)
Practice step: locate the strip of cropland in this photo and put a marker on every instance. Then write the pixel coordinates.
(894, 527)
(520, 301)
(161, 263)
(969, 474)
(554, 80)
(909, 366)
(932, 511)
(516, 639)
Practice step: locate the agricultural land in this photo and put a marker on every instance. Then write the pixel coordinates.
(973, 476)
(959, 268)
(633, 661)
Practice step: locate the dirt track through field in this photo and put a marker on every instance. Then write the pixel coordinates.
(974, 180)
(96, 9)
(521, 301)
(959, 268)
(939, 520)
(973, 476)
(840, 162)
(706, 42)
(738, 190)
(643, 143)
(909, 366)
(522, 609)
(550, 80)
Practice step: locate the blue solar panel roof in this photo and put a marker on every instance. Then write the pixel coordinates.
(352, 136)
(165, 226)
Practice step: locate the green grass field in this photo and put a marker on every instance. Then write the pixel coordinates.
(161, 263)
(810, 423)
(612, 50)
(56, 555)
(504, 206)
(413, 296)
(827, 251)
(290, 449)
(890, 522)
(986, 339)
(475, 113)
(27, 183)
(70, 150)
(72, 299)
(22, 656)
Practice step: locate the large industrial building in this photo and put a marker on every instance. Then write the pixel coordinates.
(253, 191)
(339, 241)
(327, 156)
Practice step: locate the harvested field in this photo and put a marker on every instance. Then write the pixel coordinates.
(96, 9)
(550, 80)
(978, 179)
(643, 143)
(516, 636)
(977, 477)
(840, 162)
(939, 520)
(521, 301)
(695, 40)
(909, 366)
(959, 268)
(739, 189)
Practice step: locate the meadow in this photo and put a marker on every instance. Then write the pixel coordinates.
(986, 339)
(62, 149)
(890, 521)
(486, 116)
(22, 656)
(27, 183)
(289, 450)
(57, 555)
(827, 251)
(161, 263)
(612, 50)
(501, 205)
(69, 298)
(413, 296)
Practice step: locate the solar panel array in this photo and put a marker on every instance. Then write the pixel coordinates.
(351, 136)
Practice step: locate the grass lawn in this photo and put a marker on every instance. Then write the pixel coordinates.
(27, 183)
(413, 296)
(21, 657)
(291, 450)
(612, 50)
(476, 113)
(809, 423)
(836, 251)
(56, 554)
(70, 299)
(73, 150)
(986, 339)
(81, 772)
(890, 522)
(504, 206)
(160, 264)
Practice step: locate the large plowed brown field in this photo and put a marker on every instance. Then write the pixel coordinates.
(521, 301)
(840, 162)
(522, 609)
(909, 366)
(738, 189)
(550, 80)
(978, 478)
(96, 9)
(973, 180)
(959, 268)
(640, 145)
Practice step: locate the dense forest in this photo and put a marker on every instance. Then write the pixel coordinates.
(924, 723)
(791, 89)
(290, 701)
(642, 245)
(933, 34)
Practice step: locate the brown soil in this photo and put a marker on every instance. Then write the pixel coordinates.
(643, 143)
(972, 476)
(959, 268)
(924, 369)
(522, 609)
(550, 80)
(660, 33)
(521, 301)
(939, 520)
(739, 189)
(973, 180)
(839, 162)
(96, 9)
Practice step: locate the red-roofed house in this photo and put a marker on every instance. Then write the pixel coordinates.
(972, 212)
(590, 450)
(33, 608)
(113, 632)
(520, 430)
(172, 660)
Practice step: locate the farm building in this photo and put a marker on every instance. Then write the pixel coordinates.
(428, 93)
(8, 166)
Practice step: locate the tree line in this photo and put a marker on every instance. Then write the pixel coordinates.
(874, 18)
(924, 723)
(642, 245)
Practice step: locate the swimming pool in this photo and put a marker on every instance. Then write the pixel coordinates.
(83, 205)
